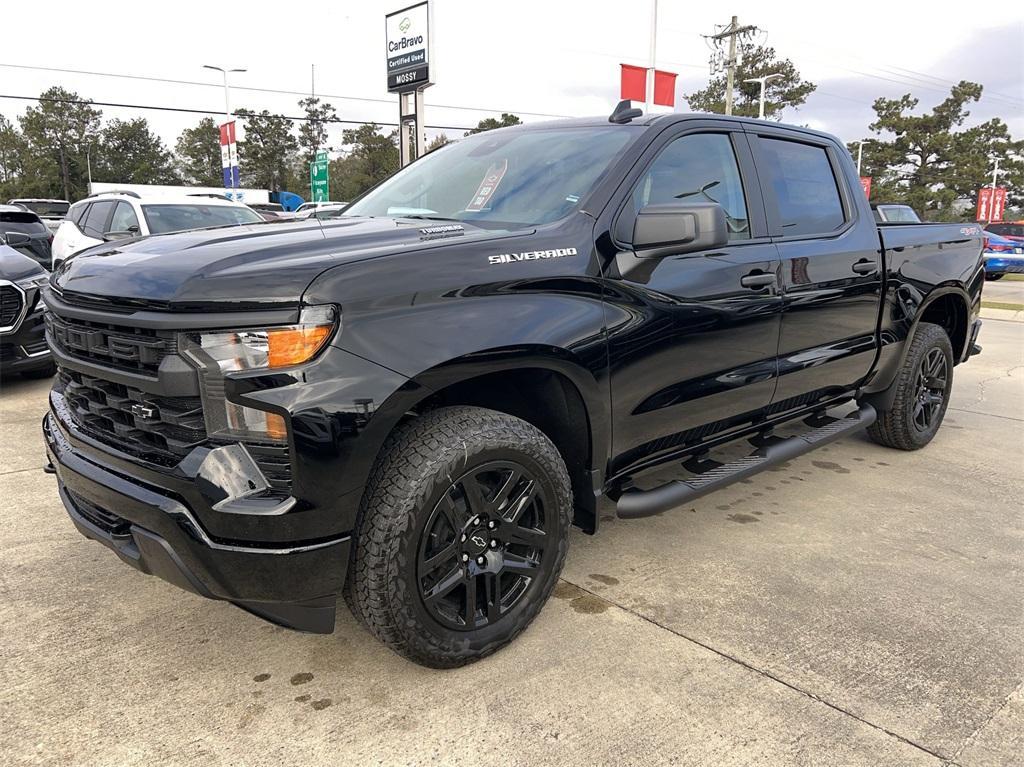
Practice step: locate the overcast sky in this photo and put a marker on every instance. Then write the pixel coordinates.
(537, 58)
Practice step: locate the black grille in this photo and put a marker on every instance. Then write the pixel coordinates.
(103, 519)
(10, 305)
(161, 430)
(138, 350)
(36, 347)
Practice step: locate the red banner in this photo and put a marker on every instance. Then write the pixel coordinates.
(634, 83)
(664, 88)
(998, 203)
(865, 184)
(984, 204)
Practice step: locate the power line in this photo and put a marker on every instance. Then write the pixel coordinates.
(217, 112)
(146, 78)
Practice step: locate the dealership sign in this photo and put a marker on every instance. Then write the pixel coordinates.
(229, 155)
(408, 48)
(991, 203)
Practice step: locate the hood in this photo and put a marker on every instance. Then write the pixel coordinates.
(255, 265)
(15, 266)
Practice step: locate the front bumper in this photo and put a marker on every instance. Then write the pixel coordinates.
(153, 530)
(24, 348)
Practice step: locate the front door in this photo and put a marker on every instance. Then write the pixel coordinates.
(693, 337)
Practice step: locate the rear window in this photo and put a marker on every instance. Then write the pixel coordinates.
(47, 208)
(805, 187)
(1006, 230)
(22, 222)
(163, 219)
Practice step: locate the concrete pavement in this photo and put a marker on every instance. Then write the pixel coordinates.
(858, 606)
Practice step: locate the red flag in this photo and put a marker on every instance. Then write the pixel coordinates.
(984, 204)
(634, 83)
(865, 184)
(998, 203)
(664, 88)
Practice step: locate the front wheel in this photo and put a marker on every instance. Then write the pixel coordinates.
(922, 386)
(461, 537)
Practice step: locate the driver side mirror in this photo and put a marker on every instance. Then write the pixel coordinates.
(120, 234)
(676, 228)
(14, 239)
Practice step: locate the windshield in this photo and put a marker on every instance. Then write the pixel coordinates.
(177, 218)
(512, 178)
(47, 208)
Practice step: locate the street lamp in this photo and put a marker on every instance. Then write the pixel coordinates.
(764, 81)
(227, 93)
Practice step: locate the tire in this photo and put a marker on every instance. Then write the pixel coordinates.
(993, 277)
(462, 501)
(922, 392)
(48, 371)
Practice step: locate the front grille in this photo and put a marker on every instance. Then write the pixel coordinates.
(36, 347)
(103, 519)
(163, 430)
(137, 350)
(10, 305)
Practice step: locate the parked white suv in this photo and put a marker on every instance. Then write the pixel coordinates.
(118, 215)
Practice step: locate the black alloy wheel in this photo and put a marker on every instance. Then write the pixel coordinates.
(482, 545)
(932, 378)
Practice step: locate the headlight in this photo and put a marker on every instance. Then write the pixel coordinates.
(220, 352)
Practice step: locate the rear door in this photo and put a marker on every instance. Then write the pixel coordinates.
(692, 338)
(831, 266)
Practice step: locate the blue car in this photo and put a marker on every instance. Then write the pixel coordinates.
(1002, 256)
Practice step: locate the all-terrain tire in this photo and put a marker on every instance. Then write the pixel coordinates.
(902, 425)
(421, 469)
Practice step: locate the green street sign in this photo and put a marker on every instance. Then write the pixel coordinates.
(318, 178)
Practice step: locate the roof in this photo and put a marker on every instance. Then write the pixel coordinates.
(38, 199)
(164, 199)
(664, 120)
(15, 209)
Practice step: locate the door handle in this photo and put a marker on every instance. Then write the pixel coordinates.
(865, 267)
(757, 280)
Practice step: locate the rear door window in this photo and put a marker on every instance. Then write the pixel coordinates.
(805, 187)
(96, 221)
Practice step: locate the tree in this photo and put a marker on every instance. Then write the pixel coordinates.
(198, 152)
(13, 151)
(924, 161)
(370, 158)
(756, 61)
(60, 132)
(129, 152)
(267, 153)
(490, 123)
(439, 141)
(313, 130)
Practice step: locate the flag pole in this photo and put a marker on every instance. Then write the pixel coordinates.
(649, 90)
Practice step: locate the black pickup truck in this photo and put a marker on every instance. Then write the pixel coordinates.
(410, 404)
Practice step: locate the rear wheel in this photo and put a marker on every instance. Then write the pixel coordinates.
(922, 392)
(462, 535)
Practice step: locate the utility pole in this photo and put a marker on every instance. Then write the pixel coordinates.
(731, 31)
(860, 153)
(760, 104)
(995, 174)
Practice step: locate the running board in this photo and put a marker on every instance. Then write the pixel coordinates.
(644, 503)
